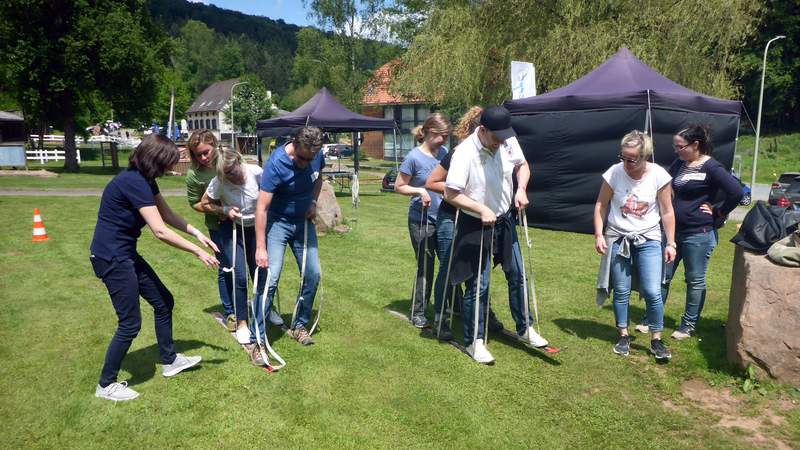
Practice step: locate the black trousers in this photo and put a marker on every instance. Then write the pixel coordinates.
(126, 279)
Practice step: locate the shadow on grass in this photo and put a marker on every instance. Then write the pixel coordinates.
(274, 333)
(399, 307)
(142, 363)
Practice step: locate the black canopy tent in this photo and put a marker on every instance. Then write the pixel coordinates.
(323, 111)
(571, 135)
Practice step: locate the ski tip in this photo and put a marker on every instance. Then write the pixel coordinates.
(553, 350)
(270, 369)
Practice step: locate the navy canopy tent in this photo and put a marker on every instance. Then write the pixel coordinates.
(571, 135)
(323, 111)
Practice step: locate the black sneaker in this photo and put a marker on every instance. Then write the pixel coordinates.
(623, 346)
(683, 332)
(445, 333)
(659, 350)
(495, 325)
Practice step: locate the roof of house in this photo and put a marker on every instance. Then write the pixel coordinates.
(214, 97)
(377, 91)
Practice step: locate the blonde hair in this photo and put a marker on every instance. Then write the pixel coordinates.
(228, 162)
(639, 139)
(434, 123)
(202, 136)
(468, 123)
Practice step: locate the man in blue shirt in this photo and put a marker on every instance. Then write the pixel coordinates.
(286, 205)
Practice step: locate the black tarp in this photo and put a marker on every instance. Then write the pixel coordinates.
(571, 135)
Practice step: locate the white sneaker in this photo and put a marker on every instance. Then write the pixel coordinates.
(275, 318)
(642, 328)
(117, 392)
(531, 337)
(181, 363)
(479, 352)
(243, 335)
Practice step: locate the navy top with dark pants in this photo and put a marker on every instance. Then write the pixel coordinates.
(125, 273)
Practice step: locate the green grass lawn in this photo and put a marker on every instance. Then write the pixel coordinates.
(776, 155)
(371, 381)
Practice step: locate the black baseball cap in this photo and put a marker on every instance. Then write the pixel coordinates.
(498, 120)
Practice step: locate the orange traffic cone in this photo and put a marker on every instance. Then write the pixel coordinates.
(39, 233)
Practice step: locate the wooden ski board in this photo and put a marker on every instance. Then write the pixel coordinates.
(429, 328)
(546, 349)
(220, 319)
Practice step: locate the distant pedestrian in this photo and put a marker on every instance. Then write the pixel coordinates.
(131, 200)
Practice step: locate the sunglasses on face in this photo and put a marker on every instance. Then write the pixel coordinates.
(622, 158)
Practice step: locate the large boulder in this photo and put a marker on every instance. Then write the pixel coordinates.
(764, 316)
(329, 214)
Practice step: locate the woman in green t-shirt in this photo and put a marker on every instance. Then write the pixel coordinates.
(202, 151)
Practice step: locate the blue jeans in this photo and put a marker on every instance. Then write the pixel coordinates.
(445, 227)
(516, 288)
(695, 250)
(647, 259)
(470, 296)
(247, 237)
(280, 233)
(223, 278)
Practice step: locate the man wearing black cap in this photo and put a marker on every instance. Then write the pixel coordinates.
(480, 183)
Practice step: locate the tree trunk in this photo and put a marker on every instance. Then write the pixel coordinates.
(70, 152)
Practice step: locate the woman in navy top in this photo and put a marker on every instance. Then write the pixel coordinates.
(130, 201)
(696, 179)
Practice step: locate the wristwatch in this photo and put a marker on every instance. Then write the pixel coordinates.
(673, 245)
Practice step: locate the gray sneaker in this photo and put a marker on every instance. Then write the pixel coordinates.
(445, 334)
(419, 321)
(683, 332)
(623, 346)
(181, 363)
(118, 392)
(256, 353)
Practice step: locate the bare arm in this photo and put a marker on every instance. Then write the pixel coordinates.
(312, 209)
(176, 221)
(163, 233)
(667, 220)
(523, 176)
(436, 180)
(600, 210)
(401, 186)
(459, 200)
(262, 207)
(207, 204)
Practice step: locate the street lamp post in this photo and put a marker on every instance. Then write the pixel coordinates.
(233, 124)
(760, 103)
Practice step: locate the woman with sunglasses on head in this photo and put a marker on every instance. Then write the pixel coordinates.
(696, 179)
(202, 148)
(130, 201)
(640, 198)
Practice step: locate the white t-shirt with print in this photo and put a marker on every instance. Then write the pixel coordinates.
(242, 196)
(485, 177)
(634, 204)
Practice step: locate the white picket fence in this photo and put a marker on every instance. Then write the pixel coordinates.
(48, 155)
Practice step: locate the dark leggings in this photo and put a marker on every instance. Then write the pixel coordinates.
(126, 279)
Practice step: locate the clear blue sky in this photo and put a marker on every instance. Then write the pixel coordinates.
(291, 11)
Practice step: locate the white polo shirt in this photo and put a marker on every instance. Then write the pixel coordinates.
(485, 177)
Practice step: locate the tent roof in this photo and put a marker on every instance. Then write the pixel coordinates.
(622, 81)
(323, 111)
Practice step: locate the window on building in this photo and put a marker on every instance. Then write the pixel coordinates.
(213, 124)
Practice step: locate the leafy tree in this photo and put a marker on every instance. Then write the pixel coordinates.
(65, 57)
(463, 53)
(251, 102)
(781, 108)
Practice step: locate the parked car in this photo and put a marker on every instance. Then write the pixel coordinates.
(747, 198)
(387, 185)
(785, 191)
(337, 150)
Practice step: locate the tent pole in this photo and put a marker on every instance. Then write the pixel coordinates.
(649, 124)
(394, 145)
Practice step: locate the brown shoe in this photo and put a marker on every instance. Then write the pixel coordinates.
(300, 334)
(255, 354)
